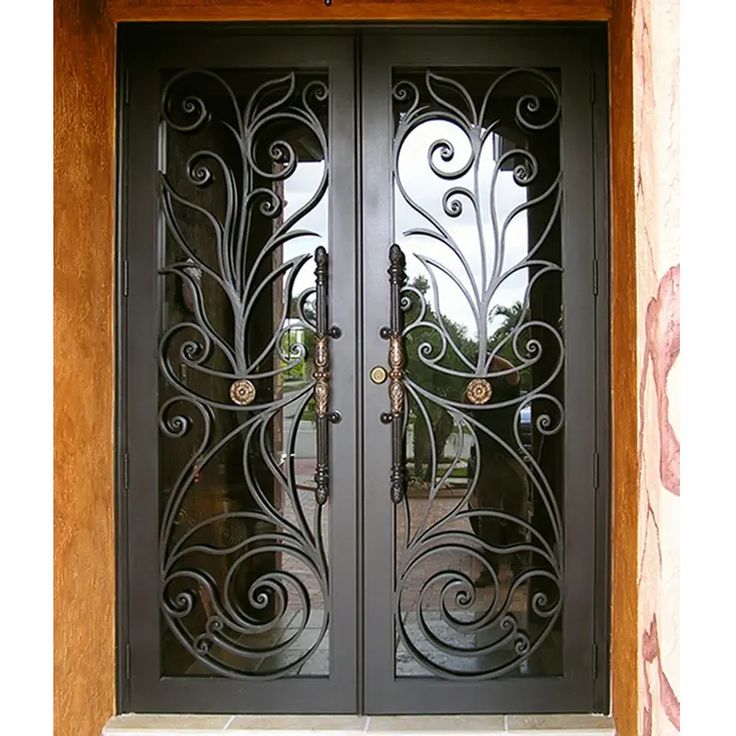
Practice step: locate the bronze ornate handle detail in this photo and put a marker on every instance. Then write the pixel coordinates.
(321, 375)
(396, 364)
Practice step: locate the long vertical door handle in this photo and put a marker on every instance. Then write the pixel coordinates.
(321, 374)
(396, 363)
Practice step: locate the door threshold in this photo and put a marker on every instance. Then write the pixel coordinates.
(132, 724)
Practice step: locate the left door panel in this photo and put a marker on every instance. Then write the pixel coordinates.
(237, 243)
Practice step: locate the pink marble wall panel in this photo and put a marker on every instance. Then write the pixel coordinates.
(656, 110)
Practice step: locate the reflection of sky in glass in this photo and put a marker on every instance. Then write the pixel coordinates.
(298, 190)
(427, 190)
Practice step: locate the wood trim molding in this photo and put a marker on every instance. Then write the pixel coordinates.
(84, 166)
(376, 10)
(84, 561)
(624, 380)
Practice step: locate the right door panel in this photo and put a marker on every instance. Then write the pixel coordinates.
(479, 244)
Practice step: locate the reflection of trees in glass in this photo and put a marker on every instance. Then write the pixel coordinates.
(433, 380)
(513, 317)
(299, 374)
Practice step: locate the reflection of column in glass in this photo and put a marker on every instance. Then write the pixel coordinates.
(216, 488)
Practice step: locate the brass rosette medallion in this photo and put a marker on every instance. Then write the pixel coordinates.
(396, 396)
(479, 391)
(396, 374)
(242, 392)
(321, 377)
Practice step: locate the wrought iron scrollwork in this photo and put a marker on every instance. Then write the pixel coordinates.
(448, 622)
(244, 570)
(396, 362)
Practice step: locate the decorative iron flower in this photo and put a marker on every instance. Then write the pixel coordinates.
(242, 392)
(478, 391)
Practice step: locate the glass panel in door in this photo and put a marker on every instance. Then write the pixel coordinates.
(244, 540)
(478, 546)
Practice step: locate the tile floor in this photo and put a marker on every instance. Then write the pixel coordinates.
(222, 725)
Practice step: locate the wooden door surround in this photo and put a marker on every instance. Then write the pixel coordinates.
(84, 316)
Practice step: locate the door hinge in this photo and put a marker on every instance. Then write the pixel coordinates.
(127, 661)
(125, 471)
(596, 470)
(595, 661)
(592, 86)
(125, 277)
(595, 277)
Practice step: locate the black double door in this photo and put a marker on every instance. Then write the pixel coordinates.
(362, 396)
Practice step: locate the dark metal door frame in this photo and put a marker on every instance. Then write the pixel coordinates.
(583, 686)
(361, 678)
(146, 690)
